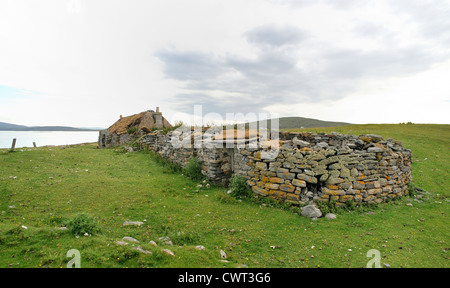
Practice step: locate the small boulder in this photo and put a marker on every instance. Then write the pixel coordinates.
(123, 243)
(311, 211)
(330, 216)
(139, 249)
(166, 240)
(132, 223)
(168, 252)
(223, 255)
(300, 143)
(130, 239)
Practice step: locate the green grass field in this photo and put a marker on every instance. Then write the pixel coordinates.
(41, 189)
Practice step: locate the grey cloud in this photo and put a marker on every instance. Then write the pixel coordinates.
(343, 63)
(185, 103)
(431, 17)
(273, 76)
(190, 65)
(275, 36)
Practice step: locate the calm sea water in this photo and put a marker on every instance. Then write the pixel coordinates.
(42, 138)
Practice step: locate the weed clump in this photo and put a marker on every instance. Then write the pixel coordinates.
(132, 129)
(193, 169)
(168, 165)
(412, 189)
(81, 224)
(239, 187)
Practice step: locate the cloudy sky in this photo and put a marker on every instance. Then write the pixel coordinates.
(85, 62)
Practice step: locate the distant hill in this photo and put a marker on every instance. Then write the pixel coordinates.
(13, 127)
(299, 122)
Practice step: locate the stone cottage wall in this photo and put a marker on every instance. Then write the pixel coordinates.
(325, 167)
(216, 161)
(107, 139)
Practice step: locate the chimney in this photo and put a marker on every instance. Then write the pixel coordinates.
(158, 118)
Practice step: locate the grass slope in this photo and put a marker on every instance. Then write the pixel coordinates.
(53, 184)
(295, 122)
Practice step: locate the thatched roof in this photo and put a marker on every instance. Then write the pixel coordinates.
(144, 120)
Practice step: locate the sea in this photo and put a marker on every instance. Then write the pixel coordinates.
(44, 138)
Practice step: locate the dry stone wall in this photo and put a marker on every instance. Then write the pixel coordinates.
(324, 167)
(330, 167)
(216, 161)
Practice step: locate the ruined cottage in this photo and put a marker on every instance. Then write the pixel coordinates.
(130, 128)
(303, 167)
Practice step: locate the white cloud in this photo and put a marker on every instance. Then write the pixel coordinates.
(90, 61)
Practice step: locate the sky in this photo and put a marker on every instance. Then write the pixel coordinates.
(83, 63)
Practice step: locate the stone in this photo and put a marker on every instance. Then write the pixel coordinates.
(307, 178)
(322, 145)
(300, 143)
(168, 252)
(330, 216)
(123, 243)
(132, 223)
(166, 240)
(139, 249)
(334, 180)
(286, 175)
(311, 211)
(345, 173)
(287, 188)
(200, 247)
(276, 180)
(375, 149)
(324, 177)
(261, 165)
(335, 166)
(272, 186)
(130, 239)
(260, 191)
(277, 194)
(299, 183)
(153, 243)
(223, 255)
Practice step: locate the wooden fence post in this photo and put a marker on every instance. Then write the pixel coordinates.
(34, 144)
(13, 146)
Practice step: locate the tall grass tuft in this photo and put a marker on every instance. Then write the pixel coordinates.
(193, 169)
(81, 224)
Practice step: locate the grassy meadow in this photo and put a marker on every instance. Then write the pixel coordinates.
(43, 189)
